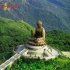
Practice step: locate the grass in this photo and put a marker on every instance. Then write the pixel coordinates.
(64, 61)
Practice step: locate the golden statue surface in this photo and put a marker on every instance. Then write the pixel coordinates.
(38, 38)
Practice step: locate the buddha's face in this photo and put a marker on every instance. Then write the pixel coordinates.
(39, 24)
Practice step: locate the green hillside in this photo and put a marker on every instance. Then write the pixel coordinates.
(13, 33)
(59, 40)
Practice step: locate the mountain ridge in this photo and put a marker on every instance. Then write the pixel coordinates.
(43, 10)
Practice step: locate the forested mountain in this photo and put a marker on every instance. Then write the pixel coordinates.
(55, 14)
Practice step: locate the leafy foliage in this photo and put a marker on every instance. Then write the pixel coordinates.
(58, 63)
(13, 33)
(5, 55)
(59, 39)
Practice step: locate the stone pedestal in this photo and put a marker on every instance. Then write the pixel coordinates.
(43, 52)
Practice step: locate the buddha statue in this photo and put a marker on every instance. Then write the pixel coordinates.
(38, 38)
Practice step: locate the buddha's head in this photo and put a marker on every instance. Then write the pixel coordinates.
(39, 24)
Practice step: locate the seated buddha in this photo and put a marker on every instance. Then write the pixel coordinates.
(38, 38)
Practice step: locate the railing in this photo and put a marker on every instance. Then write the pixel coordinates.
(12, 59)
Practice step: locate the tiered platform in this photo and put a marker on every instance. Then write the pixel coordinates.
(43, 52)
